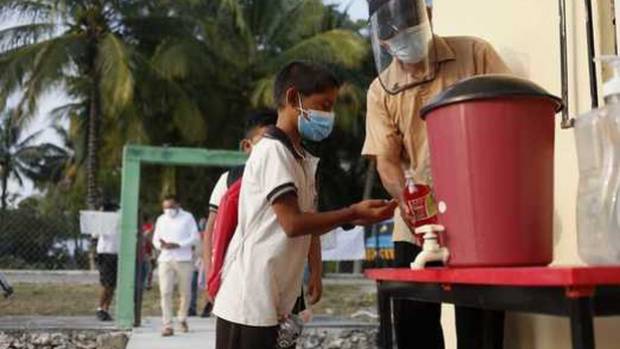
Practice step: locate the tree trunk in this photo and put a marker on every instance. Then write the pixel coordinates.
(5, 180)
(92, 157)
(93, 199)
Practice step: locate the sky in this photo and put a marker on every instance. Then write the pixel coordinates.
(357, 9)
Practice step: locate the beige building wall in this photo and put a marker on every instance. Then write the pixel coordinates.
(526, 34)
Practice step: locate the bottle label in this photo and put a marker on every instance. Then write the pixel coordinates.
(423, 208)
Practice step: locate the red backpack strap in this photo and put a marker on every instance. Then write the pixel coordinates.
(224, 229)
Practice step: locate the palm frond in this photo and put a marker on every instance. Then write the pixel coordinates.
(338, 47)
(280, 21)
(65, 111)
(153, 28)
(262, 95)
(117, 80)
(189, 120)
(235, 8)
(176, 59)
(18, 177)
(46, 72)
(349, 106)
(16, 64)
(24, 9)
(26, 142)
(26, 34)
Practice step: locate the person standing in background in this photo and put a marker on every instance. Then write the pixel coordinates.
(147, 266)
(107, 262)
(197, 262)
(176, 232)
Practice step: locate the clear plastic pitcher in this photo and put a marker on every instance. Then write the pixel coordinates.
(598, 210)
(597, 134)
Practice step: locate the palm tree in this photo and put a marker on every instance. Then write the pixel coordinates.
(94, 50)
(22, 158)
(243, 44)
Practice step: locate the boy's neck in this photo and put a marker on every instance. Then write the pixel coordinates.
(291, 131)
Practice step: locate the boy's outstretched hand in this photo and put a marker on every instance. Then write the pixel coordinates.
(369, 212)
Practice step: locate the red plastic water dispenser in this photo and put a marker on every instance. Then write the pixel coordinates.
(491, 140)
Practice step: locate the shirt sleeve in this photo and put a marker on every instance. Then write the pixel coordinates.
(157, 234)
(382, 134)
(192, 237)
(275, 171)
(488, 61)
(218, 192)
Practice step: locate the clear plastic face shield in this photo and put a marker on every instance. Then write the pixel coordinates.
(402, 42)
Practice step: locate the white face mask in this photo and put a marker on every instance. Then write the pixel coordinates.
(171, 212)
(411, 45)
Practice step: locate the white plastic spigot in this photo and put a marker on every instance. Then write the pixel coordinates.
(431, 250)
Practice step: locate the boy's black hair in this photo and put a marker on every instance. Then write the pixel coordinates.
(261, 118)
(308, 78)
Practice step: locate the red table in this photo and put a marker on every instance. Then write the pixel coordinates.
(576, 292)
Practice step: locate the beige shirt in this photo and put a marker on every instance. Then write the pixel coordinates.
(393, 123)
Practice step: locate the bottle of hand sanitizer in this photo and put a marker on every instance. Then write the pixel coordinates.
(597, 135)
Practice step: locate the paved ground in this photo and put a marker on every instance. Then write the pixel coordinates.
(54, 323)
(201, 335)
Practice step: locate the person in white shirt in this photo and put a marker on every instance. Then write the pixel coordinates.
(108, 241)
(262, 273)
(176, 232)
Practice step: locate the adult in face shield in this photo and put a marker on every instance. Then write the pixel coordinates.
(413, 66)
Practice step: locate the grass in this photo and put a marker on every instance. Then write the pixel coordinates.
(81, 300)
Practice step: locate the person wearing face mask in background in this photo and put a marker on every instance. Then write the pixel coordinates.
(414, 65)
(256, 125)
(176, 232)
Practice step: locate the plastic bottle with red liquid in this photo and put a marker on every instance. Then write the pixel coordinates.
(420, 201)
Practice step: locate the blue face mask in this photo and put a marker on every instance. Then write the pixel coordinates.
(315, 125)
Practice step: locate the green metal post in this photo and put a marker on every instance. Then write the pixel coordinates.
(130, 191)
(133, 157)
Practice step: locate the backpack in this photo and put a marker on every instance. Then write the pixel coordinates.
(223, 231)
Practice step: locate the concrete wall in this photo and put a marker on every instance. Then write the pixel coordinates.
(526, 34)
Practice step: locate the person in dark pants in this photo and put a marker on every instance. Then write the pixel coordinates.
(412, 318)
(107, 262)
(193, 303)
(413, 66)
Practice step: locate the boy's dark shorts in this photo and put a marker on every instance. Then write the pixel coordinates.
(229, 335)
(107, 264)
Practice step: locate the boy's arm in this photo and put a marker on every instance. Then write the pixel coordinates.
(315, 263)
(207, 243)
(297, 223)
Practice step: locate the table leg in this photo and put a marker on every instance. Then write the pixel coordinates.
(384, 303)
(494, 329)
(581, 313)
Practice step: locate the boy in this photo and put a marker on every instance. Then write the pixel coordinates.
(256, 126)
(262, 275)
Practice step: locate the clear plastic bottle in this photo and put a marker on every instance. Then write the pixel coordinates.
(597, 135)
